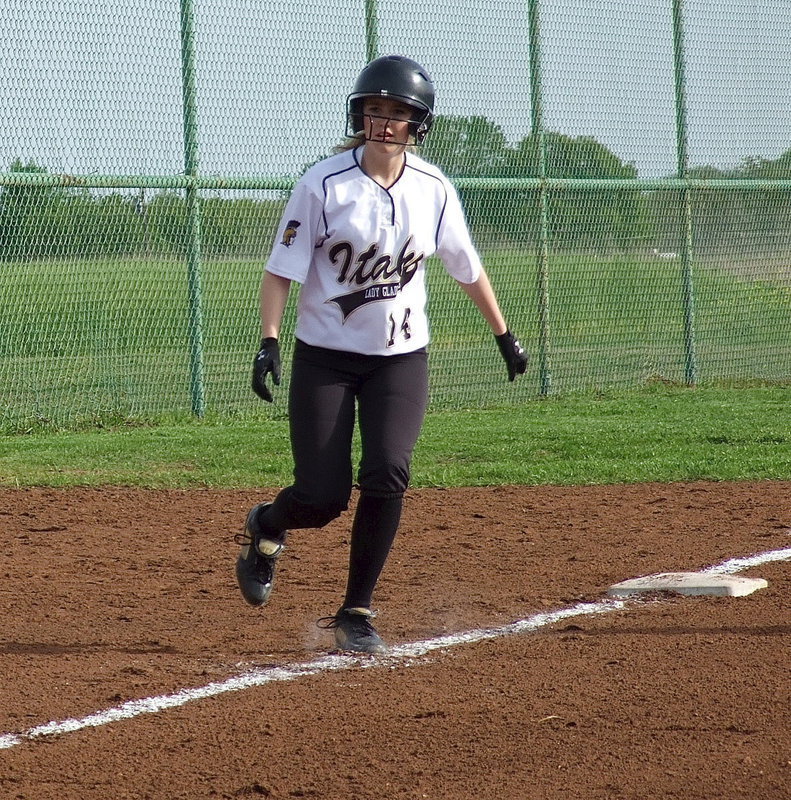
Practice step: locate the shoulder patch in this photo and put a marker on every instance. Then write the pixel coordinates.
(290, 233)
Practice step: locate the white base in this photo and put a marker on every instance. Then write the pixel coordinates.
(691, 583)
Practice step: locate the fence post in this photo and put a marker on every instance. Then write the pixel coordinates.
(371, 30)
(537, 130)
(190, 120)
(690, 357)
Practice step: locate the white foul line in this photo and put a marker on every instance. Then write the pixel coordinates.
(738, 564)
(336, 663)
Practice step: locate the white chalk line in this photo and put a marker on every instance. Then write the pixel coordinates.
(337, 663)
(733, 565)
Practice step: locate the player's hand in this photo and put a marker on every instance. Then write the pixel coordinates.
(513, 353)
(267, 361)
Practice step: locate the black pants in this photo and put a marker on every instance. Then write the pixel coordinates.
(390, 395)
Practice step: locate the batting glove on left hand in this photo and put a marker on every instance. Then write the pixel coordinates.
(513, 353)
(267, 360)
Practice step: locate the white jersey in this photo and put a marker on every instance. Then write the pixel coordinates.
(360, 253)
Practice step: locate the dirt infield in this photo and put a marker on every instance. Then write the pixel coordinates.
(120, 594)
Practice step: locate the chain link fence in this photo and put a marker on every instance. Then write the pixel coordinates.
(625, 168)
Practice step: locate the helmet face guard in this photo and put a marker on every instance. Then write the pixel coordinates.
(396, 78)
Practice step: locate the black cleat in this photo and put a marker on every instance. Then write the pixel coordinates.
(255, 567)
(354, 631)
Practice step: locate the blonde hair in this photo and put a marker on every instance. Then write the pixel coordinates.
(349, 143)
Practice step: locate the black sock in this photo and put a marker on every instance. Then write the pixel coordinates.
(261, 525)
(373, 531)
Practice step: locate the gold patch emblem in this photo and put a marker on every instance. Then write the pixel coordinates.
(290, 233)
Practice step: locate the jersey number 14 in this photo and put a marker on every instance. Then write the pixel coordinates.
(403, 328)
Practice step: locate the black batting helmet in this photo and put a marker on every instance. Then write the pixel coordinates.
(400, 78)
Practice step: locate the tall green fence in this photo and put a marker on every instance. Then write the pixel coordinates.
(625, 168)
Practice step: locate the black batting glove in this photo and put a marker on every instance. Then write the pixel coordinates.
(267, 360)
(513, 353)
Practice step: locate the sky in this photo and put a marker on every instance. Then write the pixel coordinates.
(94, 86)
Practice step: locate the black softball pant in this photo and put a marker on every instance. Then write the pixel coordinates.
(390, 394)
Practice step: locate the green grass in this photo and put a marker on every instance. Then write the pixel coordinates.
(96, 341)
(659, 433)
(94, 378)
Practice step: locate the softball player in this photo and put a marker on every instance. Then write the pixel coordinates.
(355, 234)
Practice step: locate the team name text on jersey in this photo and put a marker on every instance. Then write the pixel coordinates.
(355, 270)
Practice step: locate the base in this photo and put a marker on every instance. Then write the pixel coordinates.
(690, 583)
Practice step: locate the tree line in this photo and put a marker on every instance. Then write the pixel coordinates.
(56, 221)
(602, 220)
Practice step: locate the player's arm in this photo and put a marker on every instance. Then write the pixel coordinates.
(289, 261)
(274, 294)
(455, 248)
(482, 294)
